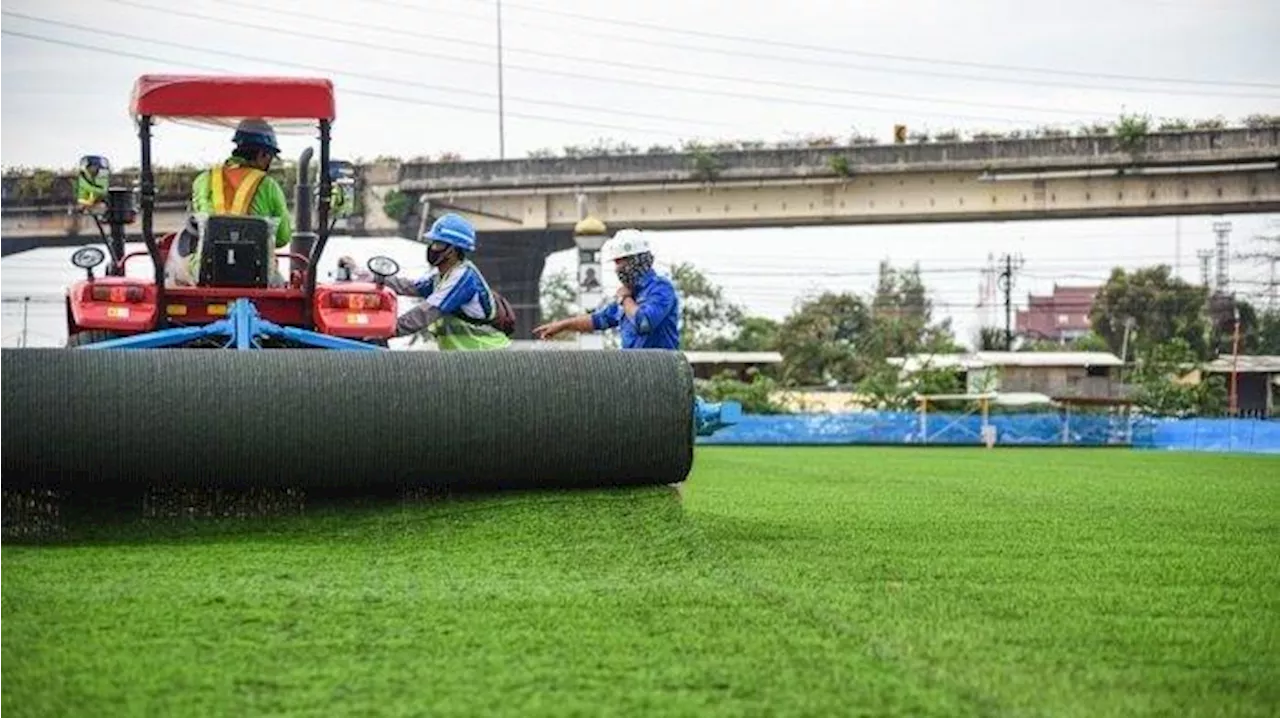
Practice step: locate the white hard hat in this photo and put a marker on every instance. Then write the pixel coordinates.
(626, 243)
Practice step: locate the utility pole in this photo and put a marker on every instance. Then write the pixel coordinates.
(1124, 343)
(1235, 359)
(1006, 286)
(502, 135)
(1223, 230)
(26, 301)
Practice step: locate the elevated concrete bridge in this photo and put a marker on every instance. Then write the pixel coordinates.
(1216, 172)
(526, 209)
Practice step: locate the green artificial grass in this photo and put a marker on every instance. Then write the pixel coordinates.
(842, 581)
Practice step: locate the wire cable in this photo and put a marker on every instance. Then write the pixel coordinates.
(684, 72)
(363, 76)
(362, 93)
(902, 71)
(663, 86)
(882, 56)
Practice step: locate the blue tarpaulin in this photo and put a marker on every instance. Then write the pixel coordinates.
(903, 427)
(1243, 435)
(1025, 429)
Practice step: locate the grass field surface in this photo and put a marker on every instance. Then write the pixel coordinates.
(822, 582)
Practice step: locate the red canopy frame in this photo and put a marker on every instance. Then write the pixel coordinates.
(199, 96)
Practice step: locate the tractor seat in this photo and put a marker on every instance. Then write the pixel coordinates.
(234, 251)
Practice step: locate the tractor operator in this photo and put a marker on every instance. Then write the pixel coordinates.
(647, 308)
(459, 308)
(239, 186)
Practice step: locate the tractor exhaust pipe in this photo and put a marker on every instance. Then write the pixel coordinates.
(303, 238)
(302, 194)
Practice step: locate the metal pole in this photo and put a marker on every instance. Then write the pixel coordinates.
(26, 301)
(1006, 285)
(502, 139)
(1235, 359)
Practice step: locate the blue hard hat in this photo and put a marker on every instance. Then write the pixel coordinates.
(253, 131)
(453, 230)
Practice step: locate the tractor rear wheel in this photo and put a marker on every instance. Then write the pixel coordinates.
(90, 336)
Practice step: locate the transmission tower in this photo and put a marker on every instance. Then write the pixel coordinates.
(1223, 230)
(987, 292)
(1271, 256)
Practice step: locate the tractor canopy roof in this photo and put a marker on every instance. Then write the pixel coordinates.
(289, 103)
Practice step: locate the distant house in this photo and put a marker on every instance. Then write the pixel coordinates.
(1057, 375)
(1061, 317)
(1257, 381)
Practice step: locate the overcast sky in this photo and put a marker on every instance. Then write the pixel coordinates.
(419, 77)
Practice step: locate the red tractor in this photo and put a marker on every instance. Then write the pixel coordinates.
(237, 298)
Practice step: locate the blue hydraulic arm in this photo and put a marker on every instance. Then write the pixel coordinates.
(708, 418)
(242, 326)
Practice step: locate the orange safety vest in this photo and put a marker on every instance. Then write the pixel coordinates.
(239, 183)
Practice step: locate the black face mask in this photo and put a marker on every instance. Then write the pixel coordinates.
(436, 256)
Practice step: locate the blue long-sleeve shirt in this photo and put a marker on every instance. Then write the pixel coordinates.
(656, 324)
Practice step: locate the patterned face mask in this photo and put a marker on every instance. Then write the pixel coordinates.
(633, 267)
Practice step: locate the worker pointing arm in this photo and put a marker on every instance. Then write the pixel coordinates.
(647, 309)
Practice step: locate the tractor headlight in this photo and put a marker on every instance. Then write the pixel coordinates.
(88, 257)
(383, 266)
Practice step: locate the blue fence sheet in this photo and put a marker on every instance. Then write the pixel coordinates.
(1259, 436)
(886, 427)
(1031, 429)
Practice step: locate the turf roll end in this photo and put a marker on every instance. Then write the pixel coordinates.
(79, 419)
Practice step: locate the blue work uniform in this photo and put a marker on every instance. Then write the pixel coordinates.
(462, 292)
(657, 321)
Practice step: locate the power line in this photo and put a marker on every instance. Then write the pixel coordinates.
(901, 71)
(362, 93)
(882, 56)
(684, 72)
(358, 75)
(575, 75)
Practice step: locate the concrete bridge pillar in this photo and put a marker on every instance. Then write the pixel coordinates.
(512, 262)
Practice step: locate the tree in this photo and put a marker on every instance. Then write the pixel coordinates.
(396, 204)
(559, 300)
(886, 387)
(1268, 333)
(755, 334)
(1160, 392)
(1222, 321)
(1163, 308)
(989, 339)
(819, 340)
(705, 314)
(1090, 342)
(756, 396)
(901, 317)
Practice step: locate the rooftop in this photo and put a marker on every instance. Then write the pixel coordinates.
(1245, 364)
(980, 360)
